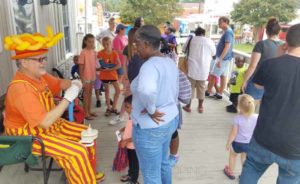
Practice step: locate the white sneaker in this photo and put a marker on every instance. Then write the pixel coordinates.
(116, 120)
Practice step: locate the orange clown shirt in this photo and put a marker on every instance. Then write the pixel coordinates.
(23, 104)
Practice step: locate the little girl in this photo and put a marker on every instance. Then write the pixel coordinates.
(241, 133)
(87, 70)
(110, 63)
(133, 171)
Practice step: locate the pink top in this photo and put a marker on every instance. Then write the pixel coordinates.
(119, 43)
(128, 134)
(88, 58)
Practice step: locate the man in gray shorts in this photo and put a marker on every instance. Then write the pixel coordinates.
(224, 56)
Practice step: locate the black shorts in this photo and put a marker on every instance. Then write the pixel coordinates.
(234, 97)
(108, 81)
(175, 135)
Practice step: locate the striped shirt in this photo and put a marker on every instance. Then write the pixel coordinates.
(185, 90)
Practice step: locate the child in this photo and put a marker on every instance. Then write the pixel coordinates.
(75, 68)
(108, 73)
(241, 133)
(133, 171)
(87, 69)
(236, 82)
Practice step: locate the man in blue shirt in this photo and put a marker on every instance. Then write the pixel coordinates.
(224, 56)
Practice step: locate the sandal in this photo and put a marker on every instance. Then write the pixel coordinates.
(186, 109)
(107, 113)
(93, 114)
(200, 109)
(89, 118)
(115, 111)
(228, 173)
(125, 178)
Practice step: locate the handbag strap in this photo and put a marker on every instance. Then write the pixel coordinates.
(188, 47)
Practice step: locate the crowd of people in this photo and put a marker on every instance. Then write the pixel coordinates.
(143, 67)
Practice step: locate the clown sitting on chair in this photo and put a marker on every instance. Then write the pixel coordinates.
(30, 109)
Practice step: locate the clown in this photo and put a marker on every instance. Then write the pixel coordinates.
(30, 109)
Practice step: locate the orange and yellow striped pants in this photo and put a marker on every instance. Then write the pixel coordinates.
(61, 143)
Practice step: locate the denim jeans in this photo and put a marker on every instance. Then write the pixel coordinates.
(152, 148)
(258, 161)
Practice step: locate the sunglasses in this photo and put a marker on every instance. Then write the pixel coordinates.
(40, 60)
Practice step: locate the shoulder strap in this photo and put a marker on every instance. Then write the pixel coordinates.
(188, 47)
(23, 81)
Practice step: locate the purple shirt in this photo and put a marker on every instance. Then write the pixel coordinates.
(245, 126)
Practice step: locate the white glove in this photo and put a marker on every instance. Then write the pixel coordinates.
(72, 92)
(77, 83)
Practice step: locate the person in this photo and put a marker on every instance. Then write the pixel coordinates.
(276, 136)
(133, 171)
(108, 73)
(133, 67)
(201, 51)
(154, 107)
(235, 83)
(30, 110)
(224, 55)
(97, 87)
(184, 96)
(169, 43)
(110, 32)
(262, 51)
(75, 68)
(87, 69)
(241, 133)
(119, 43)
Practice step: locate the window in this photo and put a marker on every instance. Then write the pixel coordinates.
(24, 17)
(66, 25)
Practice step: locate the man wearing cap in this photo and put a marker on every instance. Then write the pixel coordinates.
(30, 108)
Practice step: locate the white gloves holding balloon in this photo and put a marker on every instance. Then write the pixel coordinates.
(72, 92)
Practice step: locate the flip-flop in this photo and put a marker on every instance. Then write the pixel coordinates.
(89, 118)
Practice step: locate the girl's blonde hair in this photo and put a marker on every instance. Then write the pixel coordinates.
(106, 39)
(246, 105)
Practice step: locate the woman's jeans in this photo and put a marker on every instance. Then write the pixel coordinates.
(258, 161)
(152, 148)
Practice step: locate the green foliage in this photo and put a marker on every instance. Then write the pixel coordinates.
(257, 12)
(153, 11)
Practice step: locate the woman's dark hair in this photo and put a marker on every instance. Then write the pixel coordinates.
(150, 34)
(138, 22)
(293, 36)
(273, 27)
(200, 31)
(128, 99)
(171, 29)
(85, 38)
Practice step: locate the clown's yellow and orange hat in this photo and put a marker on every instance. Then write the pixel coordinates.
(26, 45)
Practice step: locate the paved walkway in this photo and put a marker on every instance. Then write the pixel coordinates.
(202, 151)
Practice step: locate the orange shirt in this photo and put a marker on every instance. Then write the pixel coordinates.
(111, 58)
(22, 102)
(88, 59)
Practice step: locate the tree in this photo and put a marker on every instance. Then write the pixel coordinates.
(257, 12)
(153, 11)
